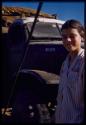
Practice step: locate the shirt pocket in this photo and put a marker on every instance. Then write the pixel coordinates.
(73, 78)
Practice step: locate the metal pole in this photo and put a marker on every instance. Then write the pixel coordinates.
(36, 16)
(12, 90)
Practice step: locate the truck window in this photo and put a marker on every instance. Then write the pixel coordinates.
(45, 30)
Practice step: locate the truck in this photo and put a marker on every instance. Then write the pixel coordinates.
(33, 67)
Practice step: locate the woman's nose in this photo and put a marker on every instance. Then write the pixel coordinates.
(68, 39)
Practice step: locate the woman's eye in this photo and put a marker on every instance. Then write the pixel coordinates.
(64, 37)
(71, 37)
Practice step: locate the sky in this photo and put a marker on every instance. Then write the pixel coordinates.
(64, 10)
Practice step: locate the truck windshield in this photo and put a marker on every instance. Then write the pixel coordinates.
(45, 30)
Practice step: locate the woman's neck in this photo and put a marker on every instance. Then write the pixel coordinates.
(73, 55)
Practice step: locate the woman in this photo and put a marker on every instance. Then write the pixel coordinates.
(70, 99)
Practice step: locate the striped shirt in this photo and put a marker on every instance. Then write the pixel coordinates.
(70, 99)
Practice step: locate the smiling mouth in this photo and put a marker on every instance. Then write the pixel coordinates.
(69, 45)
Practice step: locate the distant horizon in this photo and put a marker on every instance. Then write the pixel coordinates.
(63, 10)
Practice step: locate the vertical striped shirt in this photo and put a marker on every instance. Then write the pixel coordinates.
(70, 99)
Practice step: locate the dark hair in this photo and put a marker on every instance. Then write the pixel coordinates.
(74, 24)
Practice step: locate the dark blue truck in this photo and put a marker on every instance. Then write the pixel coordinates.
(31, 68)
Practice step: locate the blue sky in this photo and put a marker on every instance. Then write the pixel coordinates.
(64, 10)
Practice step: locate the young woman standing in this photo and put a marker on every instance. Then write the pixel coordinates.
(70, 99)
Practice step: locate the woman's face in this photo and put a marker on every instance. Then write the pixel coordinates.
(71, 39)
